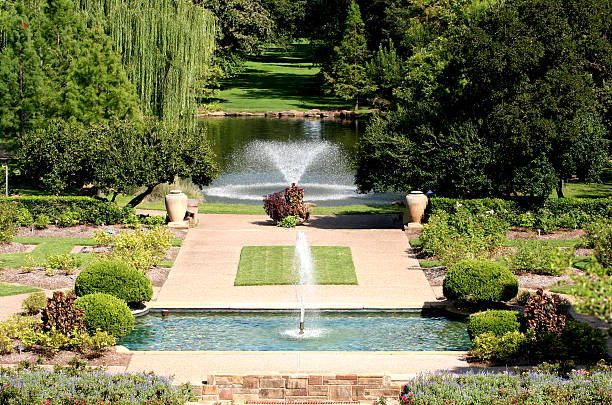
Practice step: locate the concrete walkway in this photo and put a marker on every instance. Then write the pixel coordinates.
(205, 268)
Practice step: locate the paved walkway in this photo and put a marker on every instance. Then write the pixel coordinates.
(205, 268)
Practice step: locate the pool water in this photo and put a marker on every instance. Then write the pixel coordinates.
(278, 331)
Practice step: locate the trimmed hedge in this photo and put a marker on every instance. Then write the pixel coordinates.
(72, 210)
(479, 281)
(107, 313)
(530, 213)
(116, 278)
(497, 322)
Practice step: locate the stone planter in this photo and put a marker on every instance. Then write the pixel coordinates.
(416, 202)
(176, 205)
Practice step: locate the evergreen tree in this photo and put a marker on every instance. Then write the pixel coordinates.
(347, 77)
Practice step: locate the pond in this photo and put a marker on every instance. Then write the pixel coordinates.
(259, 156)
(278, 331)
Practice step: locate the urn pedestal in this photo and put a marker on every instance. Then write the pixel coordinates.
(176, 206)
(416, 202)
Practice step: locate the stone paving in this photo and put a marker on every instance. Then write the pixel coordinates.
(205, 268)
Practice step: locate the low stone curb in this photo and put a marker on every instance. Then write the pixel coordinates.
(343, 114)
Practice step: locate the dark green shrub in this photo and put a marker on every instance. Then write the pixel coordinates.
(497, 322)
(73, 209)
(9, 221)
(25, 217)
(107, 313)
(479, 281)
(583, 341)
(116, 278)
(61, 314)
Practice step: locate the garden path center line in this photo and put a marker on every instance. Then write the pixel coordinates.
(205, 268)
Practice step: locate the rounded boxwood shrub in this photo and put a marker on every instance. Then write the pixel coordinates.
(497, 322)
(107, 313)
(479, 281)
(115, 278)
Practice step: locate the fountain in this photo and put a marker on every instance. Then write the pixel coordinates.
(304, 267)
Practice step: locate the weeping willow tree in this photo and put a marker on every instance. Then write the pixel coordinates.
(165, 46)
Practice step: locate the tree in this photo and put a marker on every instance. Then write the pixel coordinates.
(55, 67)
(117, 156)
(347, 76)
(503, 101)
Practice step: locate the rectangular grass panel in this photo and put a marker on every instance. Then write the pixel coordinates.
(9, 289)
(273, 265)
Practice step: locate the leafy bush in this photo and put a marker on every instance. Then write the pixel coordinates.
(63, 261)
(524, 212)
(543, 315)
(288, 222)
(115, 278)
(42, 221)
(463, 235)
(479, 281)
(188, 187)
(106, 313)
(594, 289)
(34, 303)
(583, 341)
(497, 322)
(37, 386)
(29, 263)
(488, 346)
(61, 314)
(541, 259)
(25, 217)
(140, 249)
(9, 220)
(579, 388)
(91, 345)
(599, 237)
(68, 209)
(291, 203)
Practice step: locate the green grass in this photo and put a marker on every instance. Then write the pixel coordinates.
(416, 243)
(45, 247)
(9, 289)
(278, 80)
(273, 265)
(428, 264)
(590, 190)
(566, 289)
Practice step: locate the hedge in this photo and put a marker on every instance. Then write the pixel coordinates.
(526, 212)
(107, 313)
(479, 281)
(494, 321)
(73, 209)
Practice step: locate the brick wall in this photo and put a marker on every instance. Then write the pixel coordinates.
(299, 387)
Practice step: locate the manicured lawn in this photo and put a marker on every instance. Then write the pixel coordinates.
(590, 190)
(427, 264)
(8, 289)
(45, 247)
(244, 209)
(271, 265)
(278, 80)
(545, 242)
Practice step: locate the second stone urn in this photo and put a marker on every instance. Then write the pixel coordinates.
(416, 202)
(176, 205)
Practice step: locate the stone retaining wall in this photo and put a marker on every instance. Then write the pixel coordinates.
(343, 114)
(299, 388)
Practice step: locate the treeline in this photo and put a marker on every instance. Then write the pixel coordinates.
(478, 97)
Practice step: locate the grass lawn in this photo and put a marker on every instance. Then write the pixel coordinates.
(278, 80)
(45, 247)
(428, 264)
(9, 289)
(546, 242)
(590, 190)
(273, 265)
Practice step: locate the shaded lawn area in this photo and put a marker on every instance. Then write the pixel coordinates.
(9, 289)
(590, 190)
(273, 265)
(277, 80)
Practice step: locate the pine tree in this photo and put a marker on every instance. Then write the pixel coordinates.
(347, 77)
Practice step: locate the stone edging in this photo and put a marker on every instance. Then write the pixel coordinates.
(314, 113)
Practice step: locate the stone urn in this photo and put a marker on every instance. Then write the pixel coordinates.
(416, 202)
(176, 205)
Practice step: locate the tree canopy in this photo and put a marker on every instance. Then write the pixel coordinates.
(499, 98)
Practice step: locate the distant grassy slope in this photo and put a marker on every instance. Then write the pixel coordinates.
(278, 80)
(590, 190)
